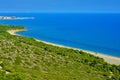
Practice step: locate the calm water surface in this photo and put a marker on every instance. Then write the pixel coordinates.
(94, 32)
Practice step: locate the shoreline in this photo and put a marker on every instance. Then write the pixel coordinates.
(13, 32)
(107, 58)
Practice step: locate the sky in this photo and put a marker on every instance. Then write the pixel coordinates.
(60, 6)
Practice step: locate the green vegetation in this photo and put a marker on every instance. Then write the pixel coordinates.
(23, 58)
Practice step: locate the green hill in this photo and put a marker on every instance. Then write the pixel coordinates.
(23, 58)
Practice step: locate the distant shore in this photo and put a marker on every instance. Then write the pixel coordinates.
(107, 58)
(14, 18)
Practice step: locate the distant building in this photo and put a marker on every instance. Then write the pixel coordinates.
(7, 17)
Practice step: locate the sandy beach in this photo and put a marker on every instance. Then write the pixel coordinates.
(13, 32)
(107, 58)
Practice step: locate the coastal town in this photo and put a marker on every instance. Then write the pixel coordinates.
(7, 17)
(14, 18)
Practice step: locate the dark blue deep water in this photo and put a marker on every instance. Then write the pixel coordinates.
(94, 32)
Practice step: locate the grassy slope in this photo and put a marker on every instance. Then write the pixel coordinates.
(23, 58)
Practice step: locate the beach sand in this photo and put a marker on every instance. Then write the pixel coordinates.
(107, 58)
(13, 32)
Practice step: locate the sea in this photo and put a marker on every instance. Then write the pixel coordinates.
(96, 32)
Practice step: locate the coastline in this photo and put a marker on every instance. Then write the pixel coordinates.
(13, 32)
(107, 58)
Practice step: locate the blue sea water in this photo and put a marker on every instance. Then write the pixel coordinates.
(97, 32)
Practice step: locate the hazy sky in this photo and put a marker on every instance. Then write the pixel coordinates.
(59, 5)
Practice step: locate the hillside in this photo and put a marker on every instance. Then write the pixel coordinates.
(23, 58)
